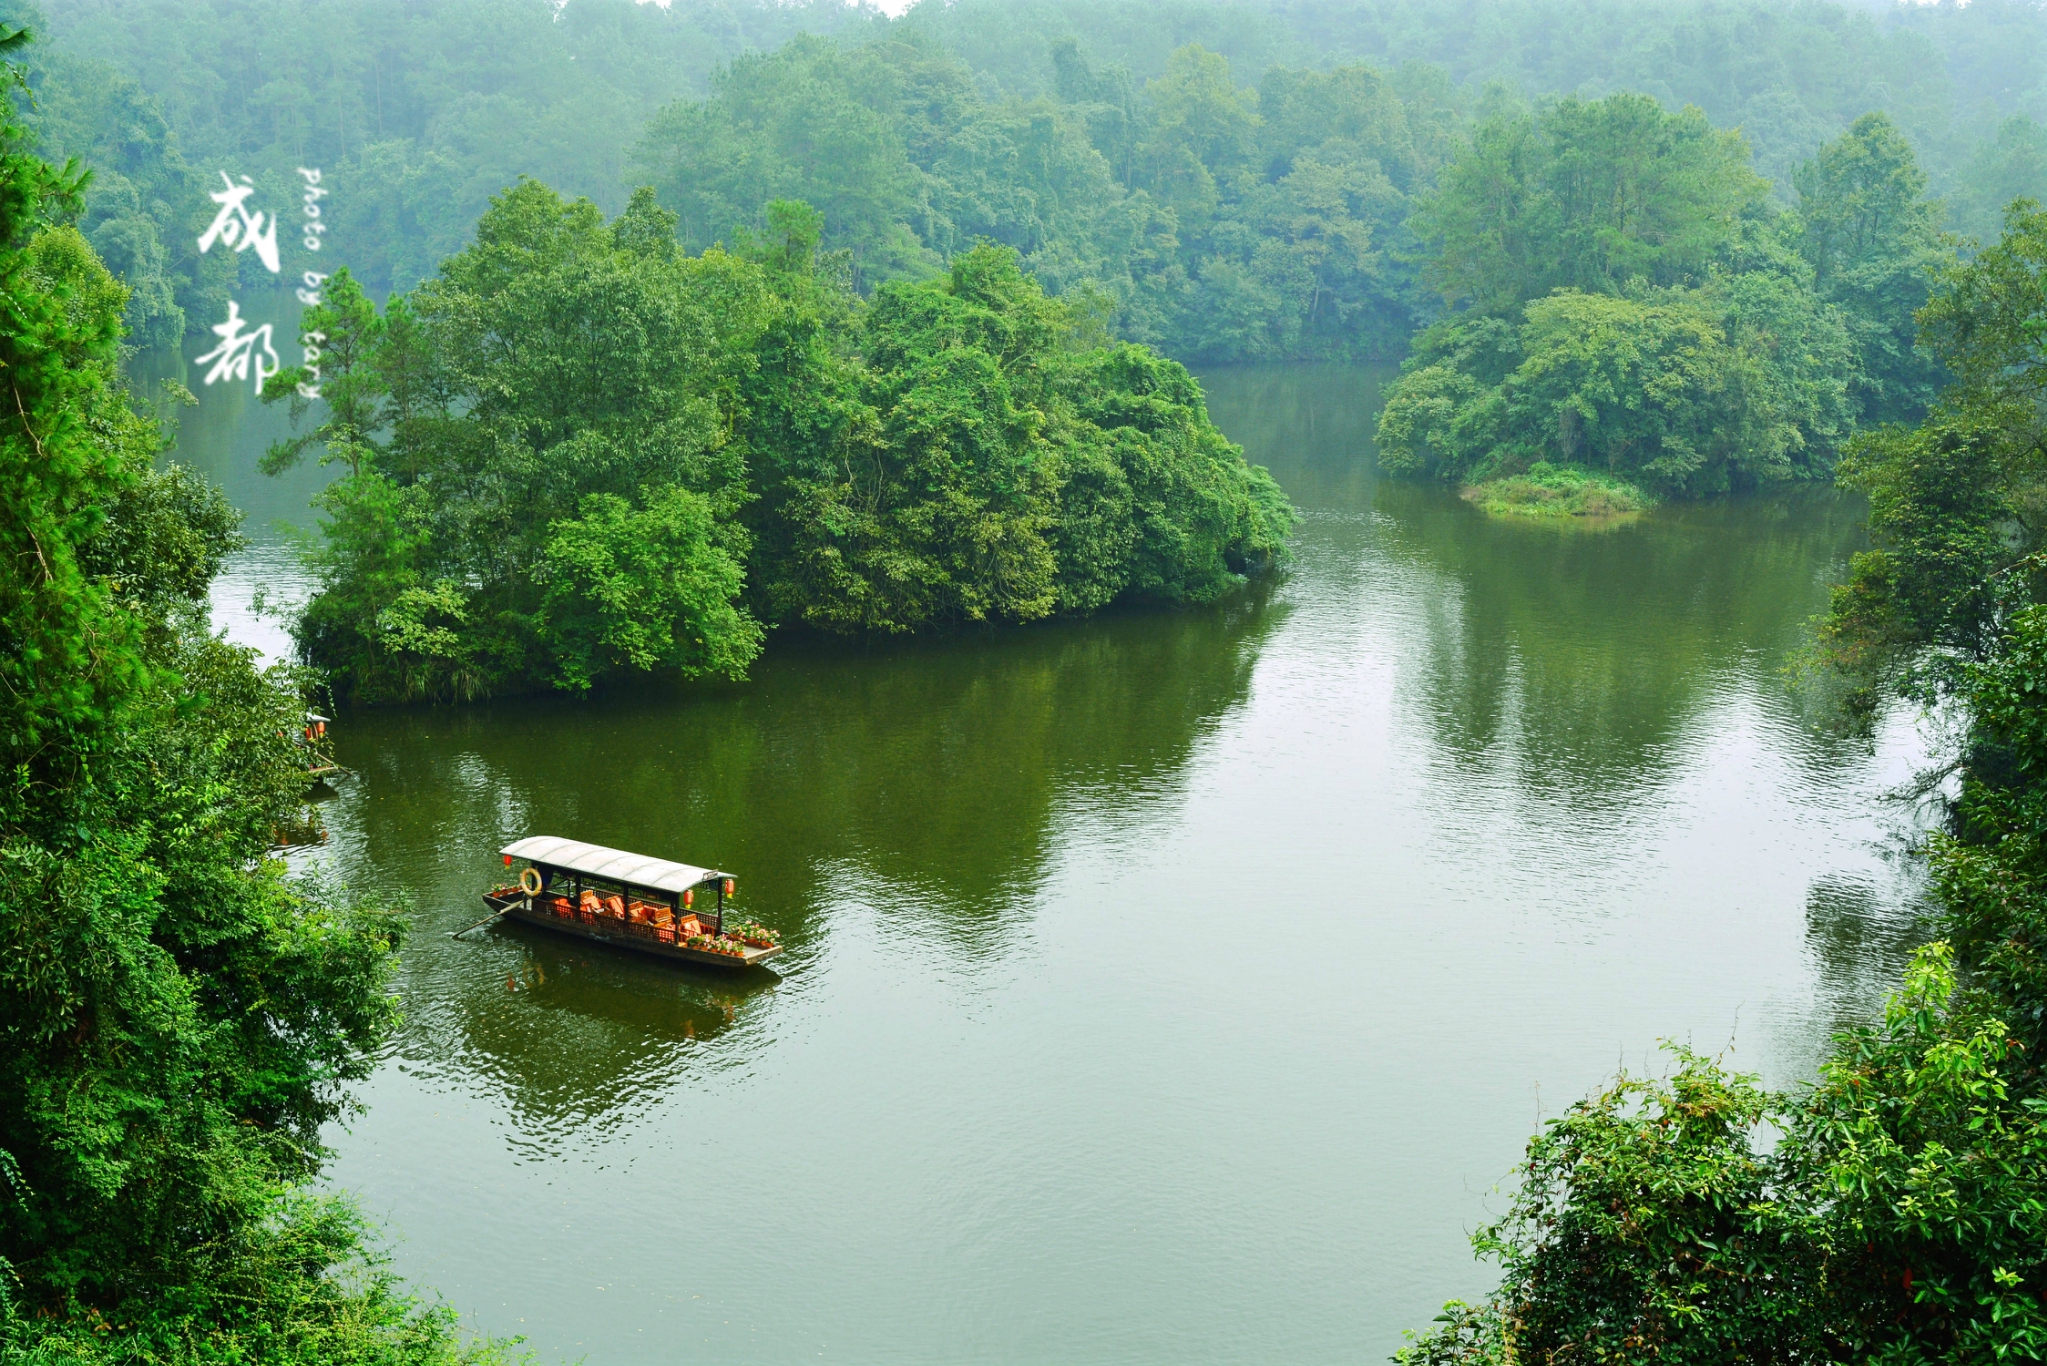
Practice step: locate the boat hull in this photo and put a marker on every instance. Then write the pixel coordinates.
(651, 940)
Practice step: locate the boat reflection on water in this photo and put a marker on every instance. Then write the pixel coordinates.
(574, 1035)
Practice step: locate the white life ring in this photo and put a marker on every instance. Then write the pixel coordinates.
(530, 882)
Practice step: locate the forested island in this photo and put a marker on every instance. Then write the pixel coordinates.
(643, 333)
(579, 451)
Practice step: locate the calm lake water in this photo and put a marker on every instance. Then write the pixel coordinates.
(1173, 987)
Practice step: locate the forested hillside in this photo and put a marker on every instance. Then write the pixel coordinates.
(421, 111)
(1236, 177)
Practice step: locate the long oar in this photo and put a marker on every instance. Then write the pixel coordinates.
(456, 934)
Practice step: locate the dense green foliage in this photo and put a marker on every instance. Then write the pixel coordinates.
(179, 1020)
(990, 459)
(568, 452)
(1954, 501)
(1874, 243)
(541, 482)
(1901, 1213)
(1790, 76)
(1585, 196)
(1634, 305)
(1223, 222)
(1237, 178)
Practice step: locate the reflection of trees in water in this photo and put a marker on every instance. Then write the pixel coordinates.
(1311, 424)
(1580, 655)
(1862, 930)
(226, 433)
(932, 767)
(1585, 653)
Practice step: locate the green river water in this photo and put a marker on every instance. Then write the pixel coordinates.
(1171, 987)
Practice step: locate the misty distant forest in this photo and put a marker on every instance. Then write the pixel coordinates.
(1236, 178)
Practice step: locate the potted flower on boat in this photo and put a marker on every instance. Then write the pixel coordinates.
(757, 935)
(731, 948)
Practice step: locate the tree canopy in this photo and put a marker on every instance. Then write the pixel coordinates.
(1587, 195)
(1633, 304)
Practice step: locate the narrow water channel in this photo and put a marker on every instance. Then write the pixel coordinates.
(1172, 987)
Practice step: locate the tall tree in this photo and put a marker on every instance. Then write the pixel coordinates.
(1587, 195)
(1874, 241)
(542, 484)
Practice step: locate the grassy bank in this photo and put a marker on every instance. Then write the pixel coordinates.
(1556, 491)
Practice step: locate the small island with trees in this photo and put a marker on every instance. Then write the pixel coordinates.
(1631, 307)
(578, 452)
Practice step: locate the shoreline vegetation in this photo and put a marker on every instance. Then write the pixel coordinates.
(181, 1018)
(1892, 1210)
(1561, 494)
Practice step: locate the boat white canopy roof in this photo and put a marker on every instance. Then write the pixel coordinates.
(613, 865)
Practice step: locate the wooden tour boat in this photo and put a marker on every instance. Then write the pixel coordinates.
(630, 900)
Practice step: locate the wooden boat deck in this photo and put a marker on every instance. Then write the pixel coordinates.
(655, 940)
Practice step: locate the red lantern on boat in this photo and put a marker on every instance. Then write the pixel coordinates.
(728, 886)
(689, 897)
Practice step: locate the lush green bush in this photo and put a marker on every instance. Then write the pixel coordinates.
(1900, 1217)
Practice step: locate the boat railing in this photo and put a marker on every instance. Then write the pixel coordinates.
(659, 922)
